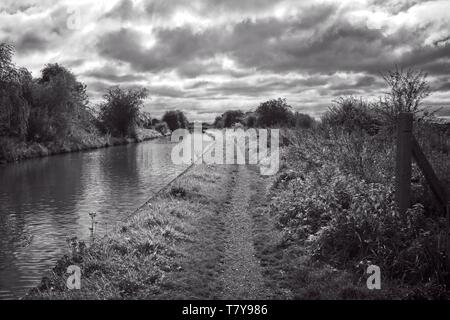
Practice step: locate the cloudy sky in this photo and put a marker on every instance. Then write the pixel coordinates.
(205, 56)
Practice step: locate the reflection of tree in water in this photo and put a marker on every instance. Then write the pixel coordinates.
(44, 201)
(34, 195)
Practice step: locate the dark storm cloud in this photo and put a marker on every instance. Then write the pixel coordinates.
(360, 83)
(31, 41)
(173, 48)
(235, 51)
(166, 91)
(113, 75)
(275, 45)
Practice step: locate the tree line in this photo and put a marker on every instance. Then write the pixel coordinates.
(271, 113)
(55, 107)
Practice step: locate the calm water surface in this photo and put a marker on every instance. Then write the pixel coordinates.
(45, 201)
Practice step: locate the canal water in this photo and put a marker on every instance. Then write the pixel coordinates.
(45, 201)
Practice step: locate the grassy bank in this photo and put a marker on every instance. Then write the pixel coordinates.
(142, 258)
(185, 245)
(334, 204)
(12, 150)
(226, 232)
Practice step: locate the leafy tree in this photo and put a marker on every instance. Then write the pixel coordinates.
(175, 120)
(58, 104)
(274, 113)
(14, 108)
(218, 122)
(144, 120)
(232, 117)
(6, 66)
(119, 113)
(408, 88)
(250, 120)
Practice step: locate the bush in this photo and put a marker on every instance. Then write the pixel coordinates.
(345, 213)
(144, 120)
(58, 104)
(250, 120)
(274, 113)
(175, 120)
(218, 122)
(230, 118)
(407, 90)
(162, 128)
(119, 113)
(352, 115)
(302, 120)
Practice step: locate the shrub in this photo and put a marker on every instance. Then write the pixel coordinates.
(175, 120)
(119, 112)
(347, 217)
(408, 88)
(274, 113)
(162, 128)
(230, 118)
(352, 115)
(218, 122)
(58, 104)
(302, 120)
(250, 120)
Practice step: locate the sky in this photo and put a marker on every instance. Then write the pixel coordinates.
(208, 56)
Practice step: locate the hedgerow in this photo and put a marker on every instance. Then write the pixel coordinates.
(336, 196)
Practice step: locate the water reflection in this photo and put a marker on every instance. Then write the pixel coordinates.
(45, 201)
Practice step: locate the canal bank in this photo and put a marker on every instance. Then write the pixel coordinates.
(18, 151)
(45, 201)
(210, 235)
(194, 240)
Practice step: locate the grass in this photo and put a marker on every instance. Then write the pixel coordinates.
(291, 272)
(333, 204)
(141, 258)
(12, 150)
(330, 189)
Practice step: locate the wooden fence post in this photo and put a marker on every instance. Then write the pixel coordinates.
(436, 186)
(403, 162)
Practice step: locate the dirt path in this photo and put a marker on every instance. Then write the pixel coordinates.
(221, 261)
(242, 277)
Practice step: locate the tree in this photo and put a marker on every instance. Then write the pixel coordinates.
(145, 120)
(6, 66)
(407, 91)
(218, 122)
(175, 120)
(274, 113)
(14, 108)
(119, 113)
(232, 117)
(250, 120)
(58, 104)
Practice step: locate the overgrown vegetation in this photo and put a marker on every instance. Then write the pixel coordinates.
(143, 257)
(333, 201)
(335, 195)
(272, 113)
(119, 113)
(175, 120)
(51, 114)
